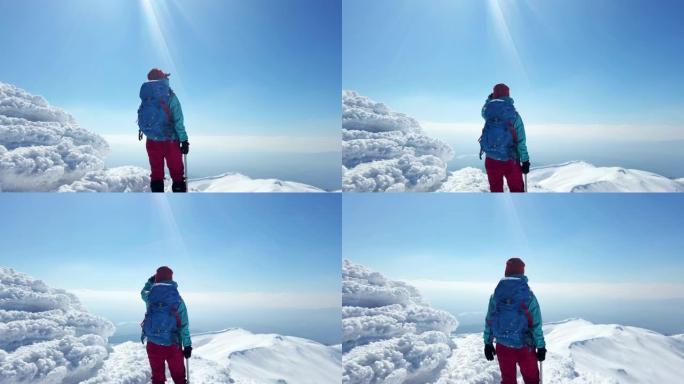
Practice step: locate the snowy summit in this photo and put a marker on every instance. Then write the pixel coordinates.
(387, 151)
(42, 148)
(49, 338)
(392, 336)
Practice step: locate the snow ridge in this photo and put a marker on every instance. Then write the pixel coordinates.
(573, 176)
(390, 335)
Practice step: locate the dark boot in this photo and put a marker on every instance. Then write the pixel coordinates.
(179, 186)
(157, 185)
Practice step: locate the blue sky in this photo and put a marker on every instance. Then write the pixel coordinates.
(567, 62)
(243, 255)
(259, 67)
(585, 254)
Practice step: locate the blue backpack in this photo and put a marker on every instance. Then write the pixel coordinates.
(162, 322)
(154, 115)
(511, 321)
(499, 139)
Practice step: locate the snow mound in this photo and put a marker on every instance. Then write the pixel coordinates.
(579, 176)
(235, 182)
(384, 150)
(42, 147)
(467, 179)
(47, 336)
(128, 364)
(270, 358)
(575, 176)
(581, 352)
(119, 179)
(390, 335)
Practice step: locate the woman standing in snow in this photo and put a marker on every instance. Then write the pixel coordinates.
(514, 321)
(166, 327)
(504, 142)
(160, 119)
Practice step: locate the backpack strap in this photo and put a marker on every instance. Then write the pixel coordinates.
(167, 110)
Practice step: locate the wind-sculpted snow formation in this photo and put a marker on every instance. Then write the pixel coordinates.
(580, 352)
(47, 337)
(42, 148)
(390, 335)
(388, 151)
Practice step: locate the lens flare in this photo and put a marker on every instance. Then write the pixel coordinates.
(156, 12)
(504, 34)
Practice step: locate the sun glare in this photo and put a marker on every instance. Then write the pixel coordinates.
(155, 12)
(498, 15)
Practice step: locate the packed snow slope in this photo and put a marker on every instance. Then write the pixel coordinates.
(390, 335)
(42, 148)
(48, 338)
(575, 176)
(387, 151)
(581, 352)
(234, 356)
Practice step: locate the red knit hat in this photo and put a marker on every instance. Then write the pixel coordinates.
(501, 90)
(157, 74)
(514, 266)
(163, 274)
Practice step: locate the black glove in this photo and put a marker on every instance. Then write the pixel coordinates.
(187, 352)
(151, 279)
(490, 351)
(185, 147)
(525, 167)
(541, 354)
(490, 96)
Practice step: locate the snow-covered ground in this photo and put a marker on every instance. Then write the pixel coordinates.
(392, 336)
(42, 148)
(581, 352)
(575, 176)
(48, 338)
(387, 151)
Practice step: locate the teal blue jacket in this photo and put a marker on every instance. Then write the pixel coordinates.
(536, 334)
(184, 336)
(519, 131)
(177, 115)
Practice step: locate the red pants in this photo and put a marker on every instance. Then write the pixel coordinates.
(173, 355)
(158, 151)
(497, 170)
(524, 357)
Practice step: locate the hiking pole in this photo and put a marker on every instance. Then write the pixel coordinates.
(541, 372)
(185, 167)
(526, 182)
(187, 370)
